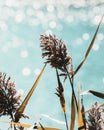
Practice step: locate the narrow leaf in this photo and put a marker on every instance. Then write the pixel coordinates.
(60, 93)
(98, 94)
(89, 48)
(45, 128)
(42, 127)
(48, 128)
(80, 117)
(23, 105)
(83, 115)
(73, 113)
(28, 126)
(18, 124)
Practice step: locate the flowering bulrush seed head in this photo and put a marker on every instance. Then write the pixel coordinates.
(9, 100)
(56, 52)
(95, 118)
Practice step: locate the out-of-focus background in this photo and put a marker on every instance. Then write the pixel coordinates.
(21, 24)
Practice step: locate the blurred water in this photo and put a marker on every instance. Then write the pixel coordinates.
(22, 22)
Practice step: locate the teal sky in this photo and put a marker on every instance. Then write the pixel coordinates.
(21, 24)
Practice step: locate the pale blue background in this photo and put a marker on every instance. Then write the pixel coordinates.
(22, 22)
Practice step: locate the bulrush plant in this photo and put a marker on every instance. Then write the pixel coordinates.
(15, 108)
(10, 100)
(55, 53)
(95, 118)
(60, 94)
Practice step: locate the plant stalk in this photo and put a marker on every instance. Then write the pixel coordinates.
(66, 121)
(13, 121)
(71, 79)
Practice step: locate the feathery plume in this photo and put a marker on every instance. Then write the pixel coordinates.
(95, 118)
(9, 101)
(56, 52)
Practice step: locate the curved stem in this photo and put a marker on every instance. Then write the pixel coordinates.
(71, 79)
(66, 121)
(13, 120)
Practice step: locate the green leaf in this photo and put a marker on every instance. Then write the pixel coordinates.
(89, 48)
(73, 113)
(28, 126)
(60, 93)
(18, 124)
(80, 117)
(23, 105)
(98, 94)
(48, 128)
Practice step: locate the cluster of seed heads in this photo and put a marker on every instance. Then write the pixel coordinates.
(9, 98)
(56, 52)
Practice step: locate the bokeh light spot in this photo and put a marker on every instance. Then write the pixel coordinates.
(26, 71)
(3, 26)
(70, 18)
(48, 32)
(21, 92)
(100, 36)
(50, 8)
(96, 19)
(85, 36)
(5, 49)
(37, 71)
(19, 16)
(52, 24)
(79, 41)
(24, 54)
(95, 47)
(59, 27)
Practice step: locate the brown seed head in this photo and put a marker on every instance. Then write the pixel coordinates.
(95, 116)
(56, 52)
(8, 101)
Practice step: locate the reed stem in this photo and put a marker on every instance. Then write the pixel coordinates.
(66, 121)
(71, 79)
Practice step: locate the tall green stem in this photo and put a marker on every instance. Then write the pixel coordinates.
(13, 120)
(66, 121)
(71, 79)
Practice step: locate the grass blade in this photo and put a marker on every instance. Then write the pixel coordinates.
(89, 48)
(80, 117)
(41, 126)
(73, 113)
(23, 105)
(97, 94)
(28, 126)
(48, 128)
(18, 124)
(60, 94)
(83, 110)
